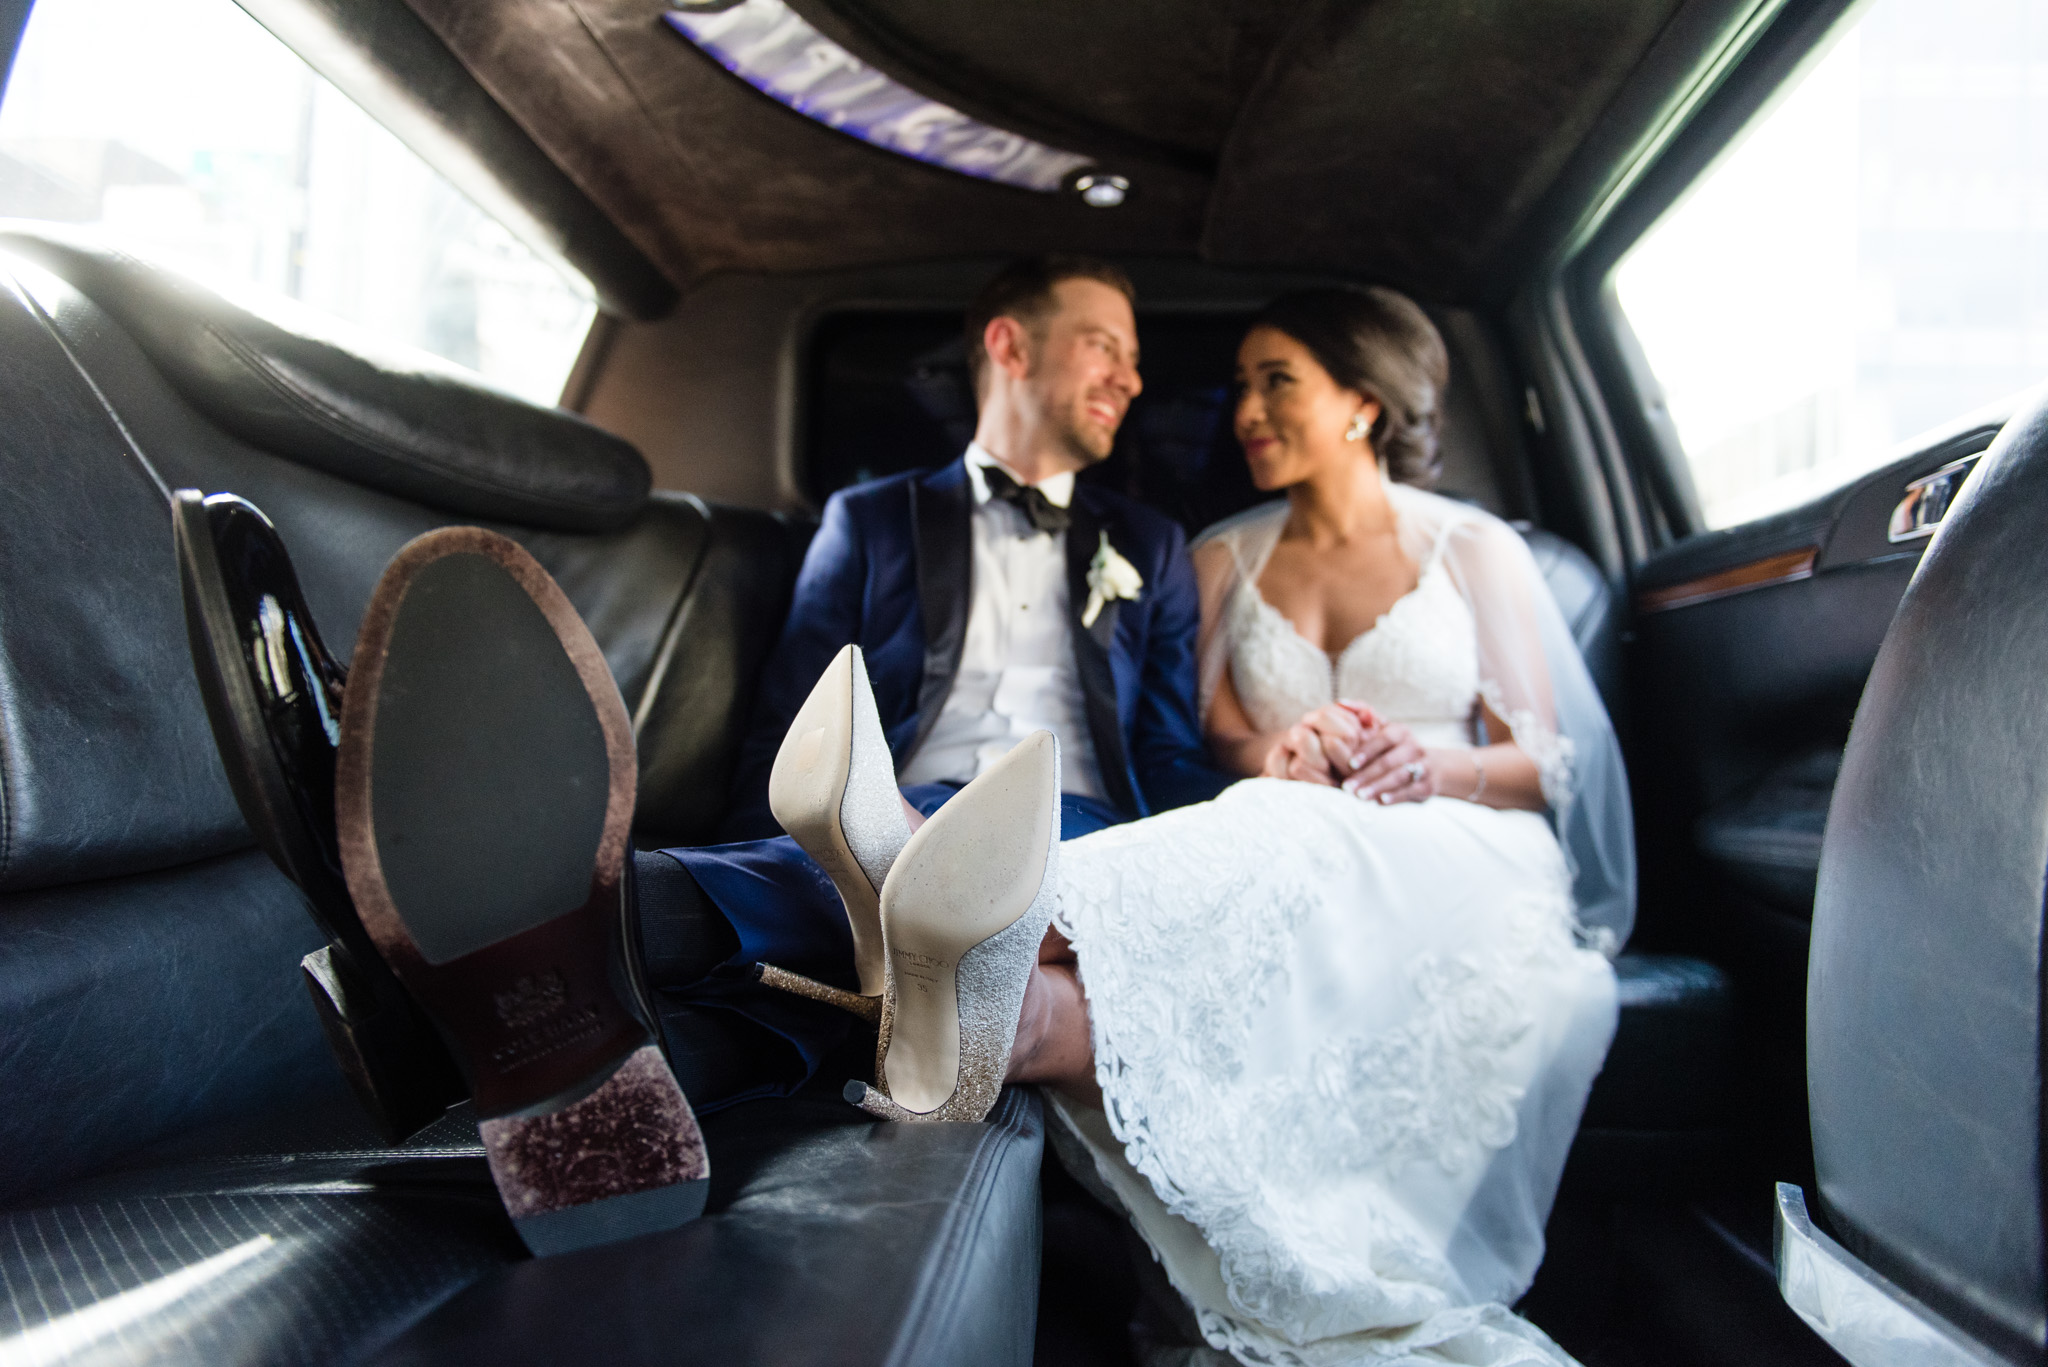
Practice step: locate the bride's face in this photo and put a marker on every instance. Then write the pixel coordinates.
(1291, 416)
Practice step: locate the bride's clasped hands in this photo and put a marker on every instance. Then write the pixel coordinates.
(1347, 744)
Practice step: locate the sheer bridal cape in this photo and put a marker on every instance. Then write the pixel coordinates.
(1344, 1047)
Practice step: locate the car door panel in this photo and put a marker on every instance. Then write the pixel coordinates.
(1752, 647)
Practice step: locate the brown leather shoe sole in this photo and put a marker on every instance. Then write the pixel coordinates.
(484, 792)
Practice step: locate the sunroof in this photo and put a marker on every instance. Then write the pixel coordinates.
(771, 48)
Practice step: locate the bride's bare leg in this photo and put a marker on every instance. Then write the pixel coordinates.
(1053, 1046)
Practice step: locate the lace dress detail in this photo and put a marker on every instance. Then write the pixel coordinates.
(1416, 664)
(1342, 1047)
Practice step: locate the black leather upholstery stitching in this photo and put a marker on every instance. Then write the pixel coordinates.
(303, 406)
(7, 803)
(672, 629)
(128, 441)
(938, 1289)
(49, 326)
(339, 423)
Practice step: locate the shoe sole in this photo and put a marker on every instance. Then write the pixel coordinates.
(827, 793)
(484, 793)
(968, 875)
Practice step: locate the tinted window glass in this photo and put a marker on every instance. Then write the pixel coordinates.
(1869, 261)
(192, 137)
(889, 392)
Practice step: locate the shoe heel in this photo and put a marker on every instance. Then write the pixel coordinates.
(964, 911)
(876, 1104)
(626, 1160)
(484, 790)
(833, 788)
(868, 1009)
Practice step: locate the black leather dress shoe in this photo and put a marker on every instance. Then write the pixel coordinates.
(273, 696)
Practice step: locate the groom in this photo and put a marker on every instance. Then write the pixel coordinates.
(995, 596)
(991, 598)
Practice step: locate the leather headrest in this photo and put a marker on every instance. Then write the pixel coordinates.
(295, 383)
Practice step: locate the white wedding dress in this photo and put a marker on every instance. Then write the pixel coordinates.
(1344, 1047)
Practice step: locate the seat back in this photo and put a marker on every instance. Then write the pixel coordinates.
(1924, 983)
(1587, 601)
(148, 954)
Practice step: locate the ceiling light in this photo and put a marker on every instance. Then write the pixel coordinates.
(1099, 190)
(773, 49)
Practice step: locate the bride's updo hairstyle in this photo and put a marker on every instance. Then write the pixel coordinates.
(1380, 343)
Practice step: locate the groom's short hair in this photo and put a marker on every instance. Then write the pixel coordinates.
(1024, 290)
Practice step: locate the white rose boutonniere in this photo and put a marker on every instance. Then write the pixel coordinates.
(1110, 576)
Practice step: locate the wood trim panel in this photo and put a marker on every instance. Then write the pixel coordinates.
(1775, 569)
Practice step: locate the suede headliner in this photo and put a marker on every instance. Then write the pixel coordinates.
(1405, 139)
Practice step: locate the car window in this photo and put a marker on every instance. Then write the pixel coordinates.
(189, 135)
(1870, 260)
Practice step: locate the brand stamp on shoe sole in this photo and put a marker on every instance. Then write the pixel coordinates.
(533, 998)
(573, 1029)
(924, 968)
(537, 1006)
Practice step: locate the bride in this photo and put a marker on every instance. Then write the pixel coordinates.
(1325, 1039)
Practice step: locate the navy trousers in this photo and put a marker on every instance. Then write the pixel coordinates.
(781, 909)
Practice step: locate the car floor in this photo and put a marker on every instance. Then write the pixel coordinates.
(1627, 1281)
(1635, 1283)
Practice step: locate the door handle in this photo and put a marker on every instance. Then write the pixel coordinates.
(1927, 500)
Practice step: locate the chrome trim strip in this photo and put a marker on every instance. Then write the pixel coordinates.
(771, 48)
(1861, 1314)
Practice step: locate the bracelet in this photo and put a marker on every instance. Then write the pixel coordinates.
(1480, 787)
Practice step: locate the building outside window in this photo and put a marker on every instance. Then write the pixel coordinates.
(189, 135)
(1868, 262)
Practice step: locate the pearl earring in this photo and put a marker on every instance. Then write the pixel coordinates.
(1359, 427)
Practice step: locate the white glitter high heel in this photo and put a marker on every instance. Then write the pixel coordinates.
(833, 788)
(963, 913)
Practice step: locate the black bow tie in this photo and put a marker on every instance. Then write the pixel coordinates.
(1045, 515)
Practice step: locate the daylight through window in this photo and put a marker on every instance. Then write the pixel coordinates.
(190, 136)
(1870, 261)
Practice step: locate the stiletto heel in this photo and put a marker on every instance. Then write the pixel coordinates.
(484, 789)
(868, 1009)
(833, 788)
(963, 912)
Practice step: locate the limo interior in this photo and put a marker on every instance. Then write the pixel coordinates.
(187, 1176)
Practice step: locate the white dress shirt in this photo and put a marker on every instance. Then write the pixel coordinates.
(1017, 671)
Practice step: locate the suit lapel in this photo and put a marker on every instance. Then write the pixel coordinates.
(1091, 654)
(940, 507)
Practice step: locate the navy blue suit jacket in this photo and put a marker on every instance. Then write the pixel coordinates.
(890, 570)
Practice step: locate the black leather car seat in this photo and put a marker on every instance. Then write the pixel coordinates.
(108, 770)
(1924, 987)
(170, 1104)
(1662, 1096)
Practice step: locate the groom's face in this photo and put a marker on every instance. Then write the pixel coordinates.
(1083, 370)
